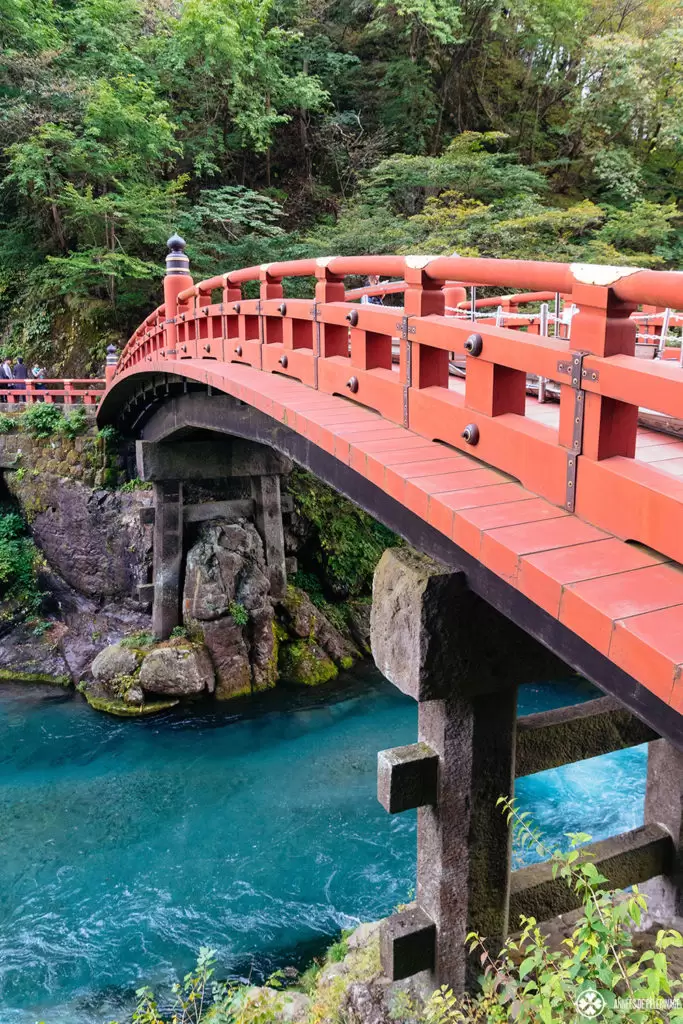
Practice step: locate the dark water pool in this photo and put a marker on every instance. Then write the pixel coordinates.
(124, 846)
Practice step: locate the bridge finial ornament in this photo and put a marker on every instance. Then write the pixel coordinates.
(176, 261)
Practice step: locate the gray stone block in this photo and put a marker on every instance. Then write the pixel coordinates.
(407, 944)
(407, 777)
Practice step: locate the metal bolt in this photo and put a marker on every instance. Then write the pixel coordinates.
(594, 376)
(474, 344)
(206, 310)
(352, 317)
(570, 483)
(283, 361)
(207, 348)
(352, 382)
(574, 380)
(471, 433)
(282, 308)
(236, 307)
(238, 350)
(183, 348)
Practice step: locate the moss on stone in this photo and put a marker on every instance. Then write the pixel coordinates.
(305, 663)
(123, 710)
(346, 662)
(9, 675)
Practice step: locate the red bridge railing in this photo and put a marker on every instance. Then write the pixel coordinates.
(585, 463)
(60, 390)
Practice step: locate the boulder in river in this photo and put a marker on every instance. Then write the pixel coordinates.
(177, 670)
(114, 661)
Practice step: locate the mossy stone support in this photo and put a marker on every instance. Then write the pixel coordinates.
(265, 490)
(461, 660)
(168, 552)
(664, 806)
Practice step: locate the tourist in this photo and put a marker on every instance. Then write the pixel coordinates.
(5, 375)
(20, 374)
(376, 300)
(37, 373)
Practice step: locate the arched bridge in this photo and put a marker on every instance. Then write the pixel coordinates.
(511, 452)
(566, 516)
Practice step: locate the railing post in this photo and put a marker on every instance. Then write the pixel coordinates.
(330, 339)
(109, 372)
(422, 366)
(601, 327)
(177, 279)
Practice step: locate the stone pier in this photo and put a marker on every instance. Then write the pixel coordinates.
(462, 661)
(169, 465)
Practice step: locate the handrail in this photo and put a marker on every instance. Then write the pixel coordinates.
(329, 342)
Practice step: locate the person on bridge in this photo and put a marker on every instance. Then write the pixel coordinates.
(376, 300)
(5, 375)
(20, 374)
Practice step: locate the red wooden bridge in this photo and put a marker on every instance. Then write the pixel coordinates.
(566, 515)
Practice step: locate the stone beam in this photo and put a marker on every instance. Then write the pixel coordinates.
(407, 777)
(407, 944)
(553, 738)
(431, 635)
(626, 859)
(233, 508)
(206, 460)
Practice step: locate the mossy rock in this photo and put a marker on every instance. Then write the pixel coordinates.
(8, 675)
(305, 663)
(123, 710)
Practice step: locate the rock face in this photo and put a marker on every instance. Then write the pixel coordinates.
(92, 538)
(28, 657)
(304, 620)
(177, 671)
(228, 593)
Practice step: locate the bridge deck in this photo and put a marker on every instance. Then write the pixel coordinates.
(623, 599)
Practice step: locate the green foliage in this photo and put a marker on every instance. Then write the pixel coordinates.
(529, 982)
(347, 543)
(141, 639)
(42, 419)
(268, 129)
(75, 423)
(239, 613)
(136, 484)
(18, 561)
(7, 423)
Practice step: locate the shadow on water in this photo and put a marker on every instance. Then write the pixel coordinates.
(252, 827)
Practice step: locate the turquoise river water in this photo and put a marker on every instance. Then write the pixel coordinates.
(125, 845)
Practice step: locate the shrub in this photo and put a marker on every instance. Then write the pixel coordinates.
(75, 423)
(136, 484)
(42, 419)
(597, 968)
(140, 639)
(7, 423)
(18, 561)
(240, 615)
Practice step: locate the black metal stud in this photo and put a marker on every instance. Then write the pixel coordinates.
(283, 362)
(238, 350)
(474, 344)
(471, 433)
(282, 308)
(352, 317)
(352, 384)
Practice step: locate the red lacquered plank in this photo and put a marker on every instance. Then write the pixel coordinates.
(650, 648)
(591, 608)
(469, 524)
(502, 549)
(542, 576)
(419, 492)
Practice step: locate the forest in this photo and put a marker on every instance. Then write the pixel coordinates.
(271, 129)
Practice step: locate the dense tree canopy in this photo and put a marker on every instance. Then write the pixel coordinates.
(269, 128)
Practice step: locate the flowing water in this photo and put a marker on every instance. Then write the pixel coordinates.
(125, 845)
